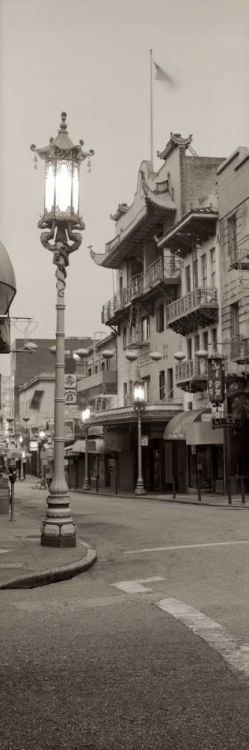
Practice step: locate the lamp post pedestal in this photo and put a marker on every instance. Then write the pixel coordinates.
(140, 490)
(86, 483)
(58, 529)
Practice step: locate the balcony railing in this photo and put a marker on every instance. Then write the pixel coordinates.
(197, 309)
(192, 375)
(162, 270)
(239, 350)
(239, 253)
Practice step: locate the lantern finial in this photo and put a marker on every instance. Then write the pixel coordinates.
(63, 125)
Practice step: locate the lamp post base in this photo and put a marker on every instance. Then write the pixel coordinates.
(59, 533)
(140, 487)
(58, 528)
(86, 484)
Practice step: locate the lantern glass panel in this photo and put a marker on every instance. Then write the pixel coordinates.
(63, 186)
(139, 393)
(76, 180)
(49, 188)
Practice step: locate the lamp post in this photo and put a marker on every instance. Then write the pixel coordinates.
(21, 469)
(139, 406)
(85, 416)
(60, 218)
(42, 436)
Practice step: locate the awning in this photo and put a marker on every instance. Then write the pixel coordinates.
(201, 433)
(175, 429)
(93, 446)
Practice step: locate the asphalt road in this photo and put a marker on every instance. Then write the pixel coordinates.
(95, 664)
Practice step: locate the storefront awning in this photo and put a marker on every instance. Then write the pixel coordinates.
(93, 446)
(175, 429)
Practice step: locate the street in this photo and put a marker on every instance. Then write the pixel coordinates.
(120, 657)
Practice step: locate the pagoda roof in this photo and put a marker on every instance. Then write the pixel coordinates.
(175, 141)
(152, 202)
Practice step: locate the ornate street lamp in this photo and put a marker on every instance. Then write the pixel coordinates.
(60, 218)
(85, 416)
(139, 406)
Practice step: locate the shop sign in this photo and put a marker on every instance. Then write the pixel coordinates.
(72, 412)
(69, 429)
(227, 421)
(216, 380)
(33, 446)
(91, 446)
(145, 440)
(70, 381)
(70, 397)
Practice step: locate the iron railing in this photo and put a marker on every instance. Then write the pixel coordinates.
(193, 368)
(239, 348)
(161, 270)
(196, 298)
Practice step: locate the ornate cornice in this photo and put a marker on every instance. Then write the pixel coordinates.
(175, 141)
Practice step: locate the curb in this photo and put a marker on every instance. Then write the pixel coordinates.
(165, 500)
(33, 580)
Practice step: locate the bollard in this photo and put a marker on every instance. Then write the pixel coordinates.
(242, 490)
(173, 487)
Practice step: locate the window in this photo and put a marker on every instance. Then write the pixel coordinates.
(189, 348)
(188, 279)
(232, 235)
(102, 366)
(89, 372)
(214, 338)
(213, 268)
(124, 337)
(205, 341)
(197, 343)
(195, 274)
(161, 385)
(170, 382)
(125, 394)
(96, 368)
(121, 283)
(204, 270)
(160, 318)
(145, 329)
(234, 319)
(147, 387)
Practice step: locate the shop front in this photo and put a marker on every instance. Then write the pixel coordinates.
(192, 447)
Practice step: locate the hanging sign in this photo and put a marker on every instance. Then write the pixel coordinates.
(216, 380)
(226, 421)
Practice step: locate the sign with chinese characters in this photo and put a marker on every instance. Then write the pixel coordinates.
(69, 429)
(70, 389)
(226, 421)
(33, 446)
(72, 412)
(216, 380)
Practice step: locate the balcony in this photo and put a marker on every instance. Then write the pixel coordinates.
(101, 383)
(197, 309)
(164, 271)
(192, 376)
(239, 254)
(240, 351)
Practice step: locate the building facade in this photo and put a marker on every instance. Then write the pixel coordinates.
(233, 191)
(151, 278)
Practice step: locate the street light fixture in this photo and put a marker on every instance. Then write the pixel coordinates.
(60, 218)
(85, 416)
(139, 406)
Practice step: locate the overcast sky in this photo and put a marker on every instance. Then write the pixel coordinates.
(91, 59)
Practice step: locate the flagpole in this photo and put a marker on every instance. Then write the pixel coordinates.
(151, 109)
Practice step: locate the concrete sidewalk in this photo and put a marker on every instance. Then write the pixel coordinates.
(188, 499)
(24, 563)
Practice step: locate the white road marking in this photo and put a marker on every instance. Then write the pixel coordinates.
(136, 586)
(210, 631)
(3, 551)
(184, 546)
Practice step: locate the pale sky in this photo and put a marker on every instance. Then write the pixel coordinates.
(91, 59)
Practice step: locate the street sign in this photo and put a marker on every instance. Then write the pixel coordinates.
(145, 440)
(33, 446)
(226, 421)
(70, 397)
(70, 381)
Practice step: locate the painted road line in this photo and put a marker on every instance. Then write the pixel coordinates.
(136, 586)
(4, 551)
(211, 632)
(184, 546)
